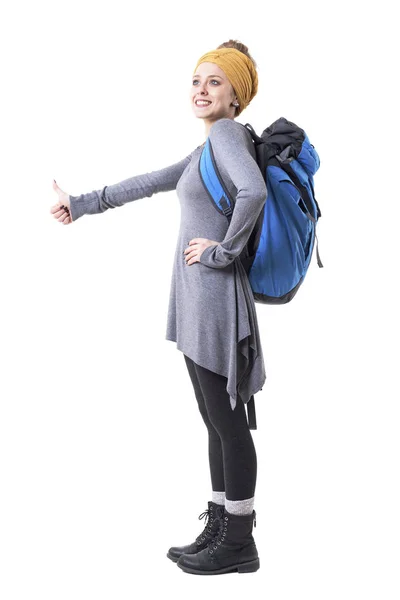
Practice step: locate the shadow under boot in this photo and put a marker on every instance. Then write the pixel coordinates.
(232, 549)
(214, 514)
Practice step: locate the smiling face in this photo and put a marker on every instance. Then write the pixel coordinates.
(210, 83)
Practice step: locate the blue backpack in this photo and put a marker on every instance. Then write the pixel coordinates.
(279, 250)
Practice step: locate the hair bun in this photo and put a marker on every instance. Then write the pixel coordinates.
(238, 46)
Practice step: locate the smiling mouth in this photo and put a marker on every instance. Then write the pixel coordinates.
(201, 105)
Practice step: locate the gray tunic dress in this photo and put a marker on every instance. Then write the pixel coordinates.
(211, 313)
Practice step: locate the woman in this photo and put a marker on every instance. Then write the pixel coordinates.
(211, 313)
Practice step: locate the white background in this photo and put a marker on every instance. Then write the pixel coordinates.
(103, 453)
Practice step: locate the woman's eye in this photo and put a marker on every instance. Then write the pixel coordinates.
(211, 80)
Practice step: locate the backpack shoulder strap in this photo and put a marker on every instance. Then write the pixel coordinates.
(213, 182)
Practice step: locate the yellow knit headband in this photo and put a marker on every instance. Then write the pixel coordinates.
(240, 71)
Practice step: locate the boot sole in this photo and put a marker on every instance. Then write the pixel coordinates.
(247, 567)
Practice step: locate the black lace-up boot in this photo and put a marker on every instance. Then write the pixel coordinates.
(213, 515)
(232, 549)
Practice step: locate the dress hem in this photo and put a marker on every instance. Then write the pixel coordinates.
(218, 372)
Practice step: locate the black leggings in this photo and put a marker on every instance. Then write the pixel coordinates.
(231, 451)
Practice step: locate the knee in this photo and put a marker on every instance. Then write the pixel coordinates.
(230, 423)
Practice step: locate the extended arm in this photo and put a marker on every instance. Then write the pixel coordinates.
(134, 188)
(232, 148)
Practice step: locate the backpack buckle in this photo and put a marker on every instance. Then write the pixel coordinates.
(226, 209)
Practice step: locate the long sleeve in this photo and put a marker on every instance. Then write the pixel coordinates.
(234, 149)
(134, 188)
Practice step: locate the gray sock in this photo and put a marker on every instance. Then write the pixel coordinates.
(218, 497)
(240, 507)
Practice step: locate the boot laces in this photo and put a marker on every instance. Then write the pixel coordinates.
(209, 519)
(219, 538)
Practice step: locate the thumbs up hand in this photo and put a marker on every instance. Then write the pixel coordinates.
(61, 210)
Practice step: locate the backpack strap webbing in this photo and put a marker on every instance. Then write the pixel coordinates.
(251, 413)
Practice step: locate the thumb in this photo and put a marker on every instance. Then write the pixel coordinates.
(57, 188)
